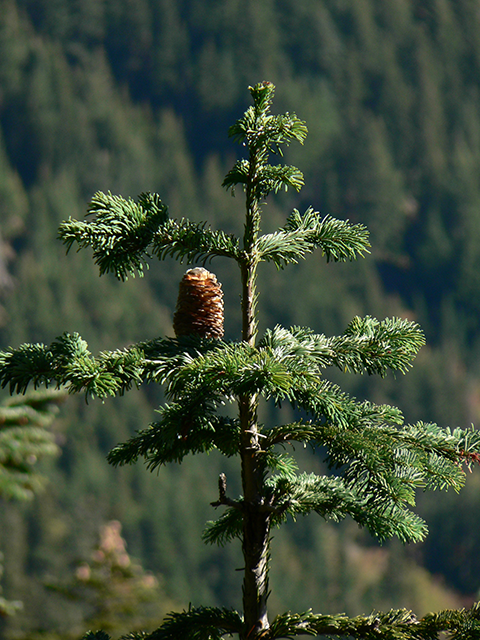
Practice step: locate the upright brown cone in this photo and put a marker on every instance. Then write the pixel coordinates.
(199, 306)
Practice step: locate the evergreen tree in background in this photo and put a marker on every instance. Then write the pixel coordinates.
(116, 591)
(376, 462)
(24, 439)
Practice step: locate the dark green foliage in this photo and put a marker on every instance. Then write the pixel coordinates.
(120, 233)
(25, 439)
(208, 624)
(338, 240)
(96, 635)
(68, 362)
(271, 178)
(214, 624)
(360, 437)
(394, 625)
(124, 234)
(203, 623)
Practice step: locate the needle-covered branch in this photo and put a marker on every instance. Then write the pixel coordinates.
(193, 242)
(366, 346)
(182, 430)
(381, 459)
(124, 234)
(338, 240)
(382, 467)
(119, 232)
(288, 364)
(397, 624)
(202, 623)
(226, 528)
(67, 362)
(262, 131)
(270, 178)
(292, 496)
(24, 440)
(385, 463)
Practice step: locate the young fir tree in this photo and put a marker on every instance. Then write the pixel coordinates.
(113, 590)
(376, 462)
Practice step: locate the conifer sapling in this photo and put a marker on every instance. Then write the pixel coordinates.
(376, 462)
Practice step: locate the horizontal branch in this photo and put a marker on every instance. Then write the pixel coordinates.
(125, 234)
(119, 232)
(400, 624)
(396, 624)
(196, 623)
(194, 242)
(366, 346)
(339, 240)
(182, 430)
(67, 362)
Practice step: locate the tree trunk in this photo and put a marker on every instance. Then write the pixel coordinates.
(256, 525)
(256, 518)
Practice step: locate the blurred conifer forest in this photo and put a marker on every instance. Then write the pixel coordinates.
(137, 95)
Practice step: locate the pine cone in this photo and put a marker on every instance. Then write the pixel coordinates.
(199, 306)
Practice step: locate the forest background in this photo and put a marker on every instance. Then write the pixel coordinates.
(137, 95)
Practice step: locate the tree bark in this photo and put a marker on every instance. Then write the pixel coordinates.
(256, 525)
(256, 518)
